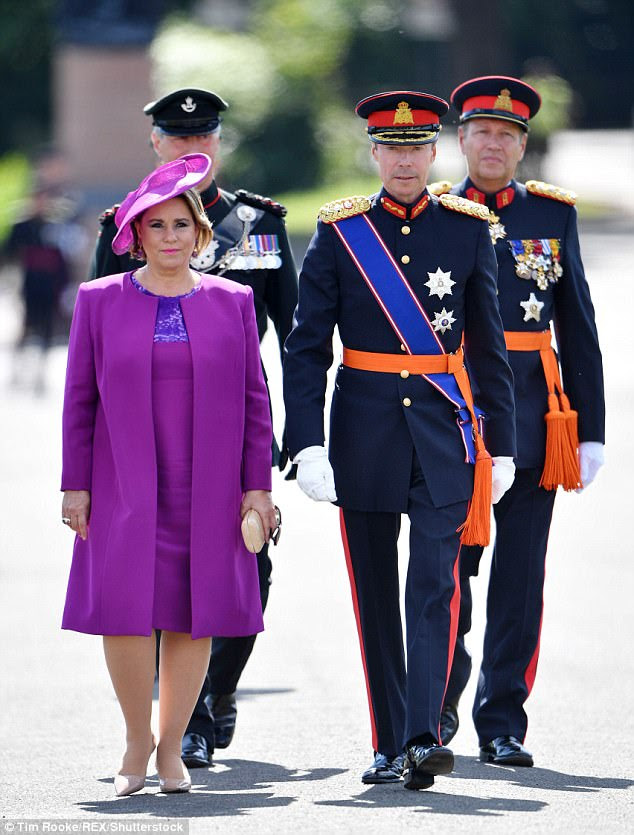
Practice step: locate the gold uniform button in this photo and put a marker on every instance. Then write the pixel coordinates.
(405, 373)
(407, 401)
(405, 230)
(402, 347)
(405, 259)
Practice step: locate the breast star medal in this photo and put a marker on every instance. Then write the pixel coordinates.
(443, 320)
(532, 308)
(439, 283)
(496, 229)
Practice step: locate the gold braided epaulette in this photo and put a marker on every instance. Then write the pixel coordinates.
(461, 204)
(345, 207)
(549, 190)
(440, 187)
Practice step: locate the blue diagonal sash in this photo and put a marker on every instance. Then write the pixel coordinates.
(402, 309)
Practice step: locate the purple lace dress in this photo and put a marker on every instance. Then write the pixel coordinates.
(172, 405)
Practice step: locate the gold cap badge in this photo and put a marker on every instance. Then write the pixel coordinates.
(403, 115)
(503, 101)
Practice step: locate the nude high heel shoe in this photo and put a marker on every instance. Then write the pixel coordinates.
(125, 784)
(170, 785)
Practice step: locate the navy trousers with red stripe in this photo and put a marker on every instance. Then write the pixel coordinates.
(514, 610)
(405, 705)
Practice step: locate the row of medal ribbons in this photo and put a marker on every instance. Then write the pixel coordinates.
(259, 252)
(538, 259)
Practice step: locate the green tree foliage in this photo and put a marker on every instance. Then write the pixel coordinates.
(555, 110)
(283, 79)
(15, 177)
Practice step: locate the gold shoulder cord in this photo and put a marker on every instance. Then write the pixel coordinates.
(344, 207)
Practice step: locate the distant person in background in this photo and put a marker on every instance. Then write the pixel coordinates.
(166, 445)
(250, 246)
(541, 282)
(36, 244)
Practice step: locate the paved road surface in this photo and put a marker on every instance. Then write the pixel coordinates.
(303, 734)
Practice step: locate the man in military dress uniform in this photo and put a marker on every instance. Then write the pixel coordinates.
(559, 435)
(407, 278)
(250, 246)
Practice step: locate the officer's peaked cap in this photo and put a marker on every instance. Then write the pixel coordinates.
(402, 117)
(496, 97)
(187, 112)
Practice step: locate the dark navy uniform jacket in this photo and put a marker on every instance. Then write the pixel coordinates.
(567, 303)
(373, 435)
(274, 290)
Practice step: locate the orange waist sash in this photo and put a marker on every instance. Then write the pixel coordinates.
(561, 464)
(475, 530)
(399, 363)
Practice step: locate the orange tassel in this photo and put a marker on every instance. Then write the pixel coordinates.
(561, 464)
(572, 474)
(476, 529)
(556, 438)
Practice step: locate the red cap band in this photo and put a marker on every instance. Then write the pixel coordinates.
(387, 119)
(489, 103)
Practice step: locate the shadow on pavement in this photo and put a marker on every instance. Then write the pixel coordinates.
(395, 796)
(433, 800)
(232, 791)
(539, 778)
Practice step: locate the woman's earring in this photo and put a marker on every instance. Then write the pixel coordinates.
(195, 254)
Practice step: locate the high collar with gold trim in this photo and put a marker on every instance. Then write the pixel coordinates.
(401, 210)
(496, 200)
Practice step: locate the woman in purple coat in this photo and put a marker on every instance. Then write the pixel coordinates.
(166, 445)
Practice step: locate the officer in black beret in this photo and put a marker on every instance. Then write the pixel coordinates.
(250, 246)
(560, 430)
(408, 279)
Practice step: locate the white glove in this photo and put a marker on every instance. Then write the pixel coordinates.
(315, 475)
(591, 460)
(503, 476)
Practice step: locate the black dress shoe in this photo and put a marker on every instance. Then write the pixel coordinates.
(449, 723)
(506, 750)
(195, 751)
(225, 711)
(423, 762)
(384, 769)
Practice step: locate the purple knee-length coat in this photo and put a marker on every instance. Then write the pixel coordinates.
(109, 449)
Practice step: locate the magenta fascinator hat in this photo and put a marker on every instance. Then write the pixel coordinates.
(166, 181)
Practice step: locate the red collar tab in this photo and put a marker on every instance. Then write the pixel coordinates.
(419, 207)
(476, 196)
(405, 212)
(505, 197)
(394, 208)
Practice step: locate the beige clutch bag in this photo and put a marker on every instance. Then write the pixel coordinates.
(253, 531)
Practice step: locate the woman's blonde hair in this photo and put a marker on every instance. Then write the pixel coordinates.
(204, 233)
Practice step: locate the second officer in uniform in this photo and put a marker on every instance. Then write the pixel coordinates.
(560, 429)
(250, 246)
